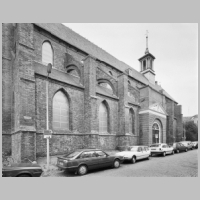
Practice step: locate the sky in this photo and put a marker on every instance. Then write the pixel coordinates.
(174, 45)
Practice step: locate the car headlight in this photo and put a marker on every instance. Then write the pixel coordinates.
(65, 161)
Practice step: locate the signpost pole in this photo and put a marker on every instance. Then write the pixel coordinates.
(47, 122)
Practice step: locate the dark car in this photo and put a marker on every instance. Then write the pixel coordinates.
(195, 145)
(22, 170)
(82, 160)
(188, 144)
(179, 147)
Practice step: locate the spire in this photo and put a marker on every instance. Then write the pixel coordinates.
(147, 50)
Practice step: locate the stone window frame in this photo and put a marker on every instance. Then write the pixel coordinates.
(99, 81)
(105, 103)
(70, 111)
(71, 67)
(132, 122)
(47, 41)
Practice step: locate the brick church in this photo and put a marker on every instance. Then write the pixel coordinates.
(94, 100)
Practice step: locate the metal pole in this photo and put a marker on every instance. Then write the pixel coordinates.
(47, 117)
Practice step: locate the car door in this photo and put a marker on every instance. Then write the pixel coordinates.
(104, 160)
(146, 153)
(89, 158)
(140, 153)
(168, 149)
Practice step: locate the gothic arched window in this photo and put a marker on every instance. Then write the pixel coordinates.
(107, 86)
(103, 118)
(47, 53)
(60, 111)
(131, 121)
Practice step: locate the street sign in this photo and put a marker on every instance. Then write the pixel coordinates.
(47, 133)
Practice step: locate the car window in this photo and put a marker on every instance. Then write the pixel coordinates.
(140, 149)
(134, 149)
(88, 154)
(163, 146)
(100, 154)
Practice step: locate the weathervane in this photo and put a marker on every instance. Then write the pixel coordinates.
(147, 50)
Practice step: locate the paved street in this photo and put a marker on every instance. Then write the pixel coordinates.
(178, 165)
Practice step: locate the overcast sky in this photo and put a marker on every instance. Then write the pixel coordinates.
(175, 47)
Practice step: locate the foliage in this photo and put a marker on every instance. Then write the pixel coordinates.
(191, 131)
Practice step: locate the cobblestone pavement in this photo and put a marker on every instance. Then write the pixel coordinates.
(178, 165)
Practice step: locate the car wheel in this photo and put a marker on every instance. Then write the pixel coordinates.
(133, 160)
(82, 170)
(24, 175)
(164, 154)
(177, 151)
(151, 154)
(186, 150)
(116, 163)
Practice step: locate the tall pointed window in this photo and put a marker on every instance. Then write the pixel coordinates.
(60, 111)
(47, 53)
(103, 118)
(131, 122)
(144, 64)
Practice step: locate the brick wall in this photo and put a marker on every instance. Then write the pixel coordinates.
(146, 123)
(6, 144)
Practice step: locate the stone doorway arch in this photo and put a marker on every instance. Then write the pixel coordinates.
(156, 132)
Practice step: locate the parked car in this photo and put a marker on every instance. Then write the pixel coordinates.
(195, 144)
(135, 153)
(22, 170)
(179, 147)
(161, 148)
(82, 160)
(188, 144)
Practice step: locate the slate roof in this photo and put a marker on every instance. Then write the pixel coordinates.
(73, 38)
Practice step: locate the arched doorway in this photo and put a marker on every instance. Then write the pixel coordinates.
(156, 133)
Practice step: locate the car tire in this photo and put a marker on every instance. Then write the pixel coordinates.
(24, 175)
(151, 155)
(116, 163)
(82, 170)
(172, 152)
(133, 160)
(186, 150)
(177, 151)
(164, 154)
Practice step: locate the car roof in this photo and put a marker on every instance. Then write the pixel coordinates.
(89, 149)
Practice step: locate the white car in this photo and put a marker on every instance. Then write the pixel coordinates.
(161, 148)
(135, 153)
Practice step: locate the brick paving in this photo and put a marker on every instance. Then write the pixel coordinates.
(179, 165)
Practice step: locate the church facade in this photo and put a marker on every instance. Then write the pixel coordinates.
(94, 100)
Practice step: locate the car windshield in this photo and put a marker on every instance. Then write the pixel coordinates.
(73, 154)
(155, 145)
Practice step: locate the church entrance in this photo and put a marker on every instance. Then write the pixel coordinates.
(155, 133)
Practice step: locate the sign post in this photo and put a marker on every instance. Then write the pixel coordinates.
(47, 132)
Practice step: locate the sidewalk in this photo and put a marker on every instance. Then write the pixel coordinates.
(42, 161)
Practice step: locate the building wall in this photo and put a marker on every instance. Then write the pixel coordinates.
(24, 98)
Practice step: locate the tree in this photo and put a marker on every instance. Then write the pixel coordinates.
(191, 131)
